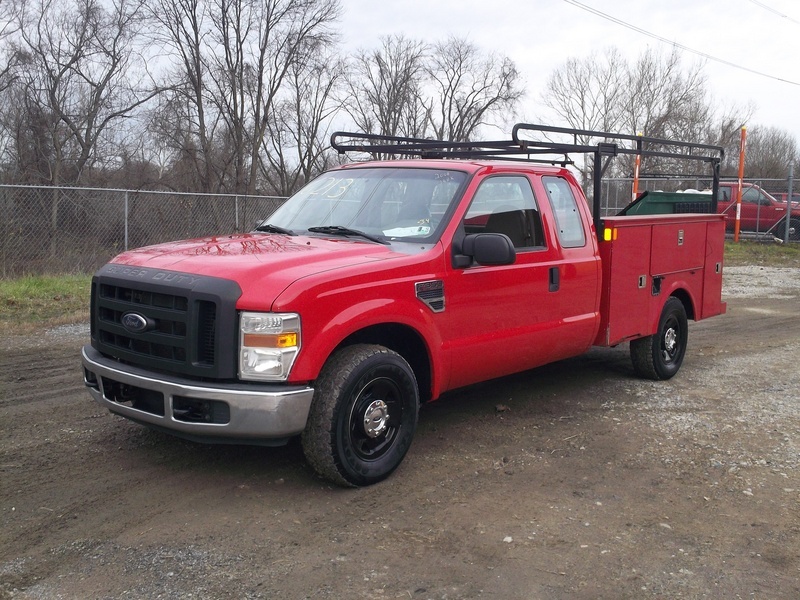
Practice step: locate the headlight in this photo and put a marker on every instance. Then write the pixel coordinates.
(268, 345)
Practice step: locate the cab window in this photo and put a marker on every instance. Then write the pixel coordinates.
(505, 204)
(565, 208)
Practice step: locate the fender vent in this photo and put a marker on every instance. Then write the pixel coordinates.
(431, 293)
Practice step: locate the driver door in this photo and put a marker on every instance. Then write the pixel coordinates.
(503, 319)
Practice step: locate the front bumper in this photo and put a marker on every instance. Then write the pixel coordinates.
(266, 414)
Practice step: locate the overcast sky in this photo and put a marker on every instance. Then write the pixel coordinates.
(539, 35)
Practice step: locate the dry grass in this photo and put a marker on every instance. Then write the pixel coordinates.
(33, 303)
(762, 255)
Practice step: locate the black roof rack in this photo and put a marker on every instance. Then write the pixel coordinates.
(668, 148)
(535, 149)
(369, 143)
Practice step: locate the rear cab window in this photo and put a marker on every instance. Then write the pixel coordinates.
(569, 225)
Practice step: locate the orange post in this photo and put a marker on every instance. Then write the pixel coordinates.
(738, 221)
(636, 167)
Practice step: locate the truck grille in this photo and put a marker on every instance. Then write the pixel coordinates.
(186, 326)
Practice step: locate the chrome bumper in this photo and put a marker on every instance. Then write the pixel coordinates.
(250, 413)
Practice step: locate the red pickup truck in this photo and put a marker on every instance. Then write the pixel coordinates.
(382, 285)
(760, 211)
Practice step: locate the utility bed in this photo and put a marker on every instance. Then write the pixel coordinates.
(647, 258)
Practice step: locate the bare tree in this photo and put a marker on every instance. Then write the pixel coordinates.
(724, 129)
(588, 93)
(663, 98)
(671, 101)
(78, 74)
(183, 122)
(654, 95)
(233, 57)
(383, 92)
(769, 152)
(10, 100)
(469, 88)
(293, 30)
(9, 26)
(297, 135)
(74, 85)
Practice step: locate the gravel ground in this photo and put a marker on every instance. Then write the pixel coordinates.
(761, 282)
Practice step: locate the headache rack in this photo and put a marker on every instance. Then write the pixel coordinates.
(535, 148)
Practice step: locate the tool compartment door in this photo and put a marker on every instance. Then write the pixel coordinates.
(626, 294)
(712, 279)
(677, 247)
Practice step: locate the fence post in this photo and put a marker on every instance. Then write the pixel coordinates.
(126, 220)
(760, 184)
(789, 205)
(236, 210)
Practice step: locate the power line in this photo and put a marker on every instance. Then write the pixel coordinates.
(772, 10)
(608, 17)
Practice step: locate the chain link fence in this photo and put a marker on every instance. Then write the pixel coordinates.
(67, 230)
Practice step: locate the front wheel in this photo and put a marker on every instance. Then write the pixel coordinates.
(363, 415)
(660, 356)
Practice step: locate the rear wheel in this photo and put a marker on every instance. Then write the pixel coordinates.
(363, 416)
(660, 356)
(779, 231)
(794, 230)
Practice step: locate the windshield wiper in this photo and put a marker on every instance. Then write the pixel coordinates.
(340, 230)
(270, 228)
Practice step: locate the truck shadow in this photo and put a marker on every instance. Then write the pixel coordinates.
(542, 390)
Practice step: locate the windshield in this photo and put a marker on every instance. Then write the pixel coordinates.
(391, 203)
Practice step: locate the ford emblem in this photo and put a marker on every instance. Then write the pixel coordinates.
(136, 323)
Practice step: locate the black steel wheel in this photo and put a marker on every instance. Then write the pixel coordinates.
(794, 230)
(779, 231)
(363, 416)
(660, 356)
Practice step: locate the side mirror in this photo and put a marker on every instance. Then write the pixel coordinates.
(487, 249)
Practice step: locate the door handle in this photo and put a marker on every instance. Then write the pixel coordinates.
(555, 279)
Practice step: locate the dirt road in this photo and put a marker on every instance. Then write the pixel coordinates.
(572, 481)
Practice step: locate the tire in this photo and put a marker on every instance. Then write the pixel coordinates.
(660, 356)
(363, 415)
(794, 230)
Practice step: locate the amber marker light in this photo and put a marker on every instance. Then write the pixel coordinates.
(609, 234)
(265, 340)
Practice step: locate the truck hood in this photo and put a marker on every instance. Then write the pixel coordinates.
(268, 263)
